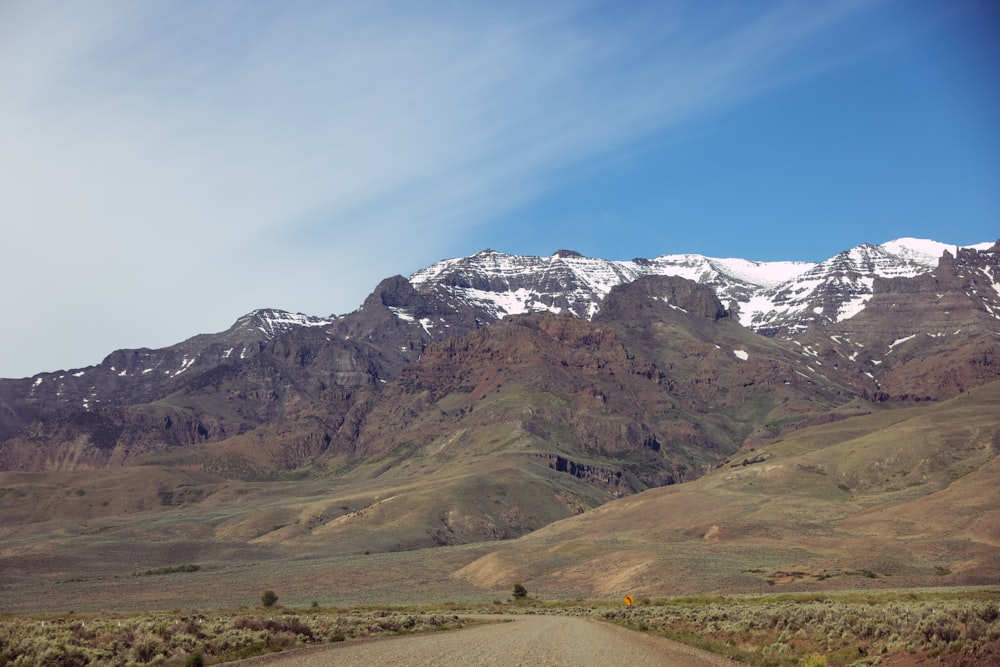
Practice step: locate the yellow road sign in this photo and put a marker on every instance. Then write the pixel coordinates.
(629, 600)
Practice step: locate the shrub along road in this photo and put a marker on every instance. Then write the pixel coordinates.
(524, 640)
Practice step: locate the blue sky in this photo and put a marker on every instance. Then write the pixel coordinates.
(169, 166)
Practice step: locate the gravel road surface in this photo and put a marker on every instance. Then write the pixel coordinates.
(524, 640)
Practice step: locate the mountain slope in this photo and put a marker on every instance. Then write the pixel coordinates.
(555, 414)
(270, 364)
(648, 385)
(894, 499)
(923, 338)
(859, 502)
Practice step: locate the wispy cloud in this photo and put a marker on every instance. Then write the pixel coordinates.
(167, 166)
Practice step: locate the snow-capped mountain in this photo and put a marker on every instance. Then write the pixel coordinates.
(883, 323)
(143, 374)
(773, 298)
(456, 296)
(273, 322)
(835, 289)
(502, 284)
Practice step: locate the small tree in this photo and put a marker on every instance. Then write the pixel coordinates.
(268, 598)
(520, 592)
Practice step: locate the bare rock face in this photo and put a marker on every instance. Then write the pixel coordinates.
(674, 292)
(925, 374)
(564, 384)
(959, 296)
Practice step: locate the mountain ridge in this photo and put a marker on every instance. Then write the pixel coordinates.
(693, 446)
(403, 316)
(767, 275)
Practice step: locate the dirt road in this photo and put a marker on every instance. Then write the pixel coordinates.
(525, 640)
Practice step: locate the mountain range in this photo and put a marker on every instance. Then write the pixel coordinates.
(500, 394)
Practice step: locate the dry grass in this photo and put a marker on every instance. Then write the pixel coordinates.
(835, 506)
(908, 497)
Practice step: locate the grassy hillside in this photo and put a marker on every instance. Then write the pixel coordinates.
(889, 499)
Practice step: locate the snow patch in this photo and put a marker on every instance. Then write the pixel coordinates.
(185, 364)
(921, 251)
(402, 314)
(272, 322)
(741, 354)
(925, 251)
(765, 274)
(900, 341)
